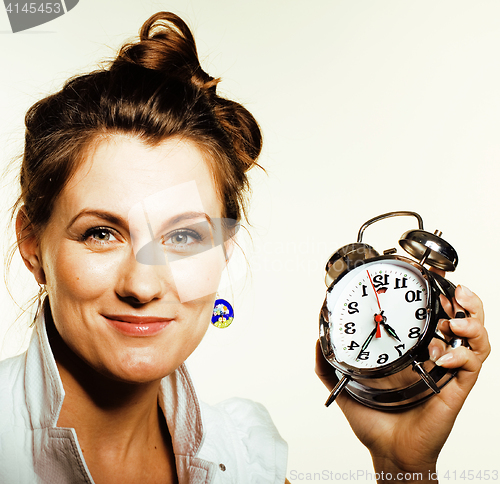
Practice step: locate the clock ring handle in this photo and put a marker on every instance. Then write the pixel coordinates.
(388, 215)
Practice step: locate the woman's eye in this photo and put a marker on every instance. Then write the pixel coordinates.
(182, 239)
(99, 235)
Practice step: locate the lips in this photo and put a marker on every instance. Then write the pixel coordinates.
(131, 325)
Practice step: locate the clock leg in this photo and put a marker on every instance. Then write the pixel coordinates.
(426, 377)
(337, 389)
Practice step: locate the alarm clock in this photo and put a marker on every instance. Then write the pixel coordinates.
(380, 315)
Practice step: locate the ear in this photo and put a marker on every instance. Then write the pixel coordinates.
(230, 242)
(228, 249)
(29, 246)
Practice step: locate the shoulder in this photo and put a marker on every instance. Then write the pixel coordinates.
(242, 432)
(16, 437)
(250, 420)
(11, 385)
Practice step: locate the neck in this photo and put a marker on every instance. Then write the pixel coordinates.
(119, 417)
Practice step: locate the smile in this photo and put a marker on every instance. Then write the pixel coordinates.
(137, 325)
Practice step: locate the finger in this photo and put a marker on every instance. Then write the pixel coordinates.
(444, 327)
(470, 328)
(468, 364)
(464, 300)
(447, 305)
(470, 301)
(476, 334)
(437, 348)
(452, 308)
(462, 358)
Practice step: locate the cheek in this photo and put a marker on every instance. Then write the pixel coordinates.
(200, 315)
(76, 275)
(198, 276)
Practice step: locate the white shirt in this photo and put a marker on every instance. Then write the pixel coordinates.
(232, 442)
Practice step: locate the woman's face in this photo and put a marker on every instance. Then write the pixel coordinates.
(129, 260)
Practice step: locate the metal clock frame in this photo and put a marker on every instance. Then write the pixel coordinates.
(426, 248)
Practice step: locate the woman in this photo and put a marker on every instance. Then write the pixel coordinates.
(132, 186)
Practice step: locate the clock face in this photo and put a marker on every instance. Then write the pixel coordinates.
(377, 312)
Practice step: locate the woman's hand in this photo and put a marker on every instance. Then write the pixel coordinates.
(410, 441)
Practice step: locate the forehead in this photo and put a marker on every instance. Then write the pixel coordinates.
(121, 172)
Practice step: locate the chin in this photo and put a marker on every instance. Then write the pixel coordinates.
(145, 369)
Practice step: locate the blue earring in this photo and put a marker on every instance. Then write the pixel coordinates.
(223, 314)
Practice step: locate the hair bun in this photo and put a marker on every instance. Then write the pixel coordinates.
(242, 128)
(166, 44)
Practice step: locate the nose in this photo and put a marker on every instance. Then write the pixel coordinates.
(141, 283)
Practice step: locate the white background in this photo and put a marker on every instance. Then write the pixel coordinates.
(366, 107)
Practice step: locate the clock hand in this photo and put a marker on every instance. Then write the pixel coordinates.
(378, 317)
(367, 342)
(374, 290)
(390, 330)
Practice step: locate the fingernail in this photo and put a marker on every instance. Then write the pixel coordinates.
(444, 359)
(434, 353)
(460, 314)
(466, 290)
(458, 323)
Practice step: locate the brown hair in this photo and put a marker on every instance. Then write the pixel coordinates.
(154, 89)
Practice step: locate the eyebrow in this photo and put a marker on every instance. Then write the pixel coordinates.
(190, 216)
(110, 217)
(117, 220)
(180, 218)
